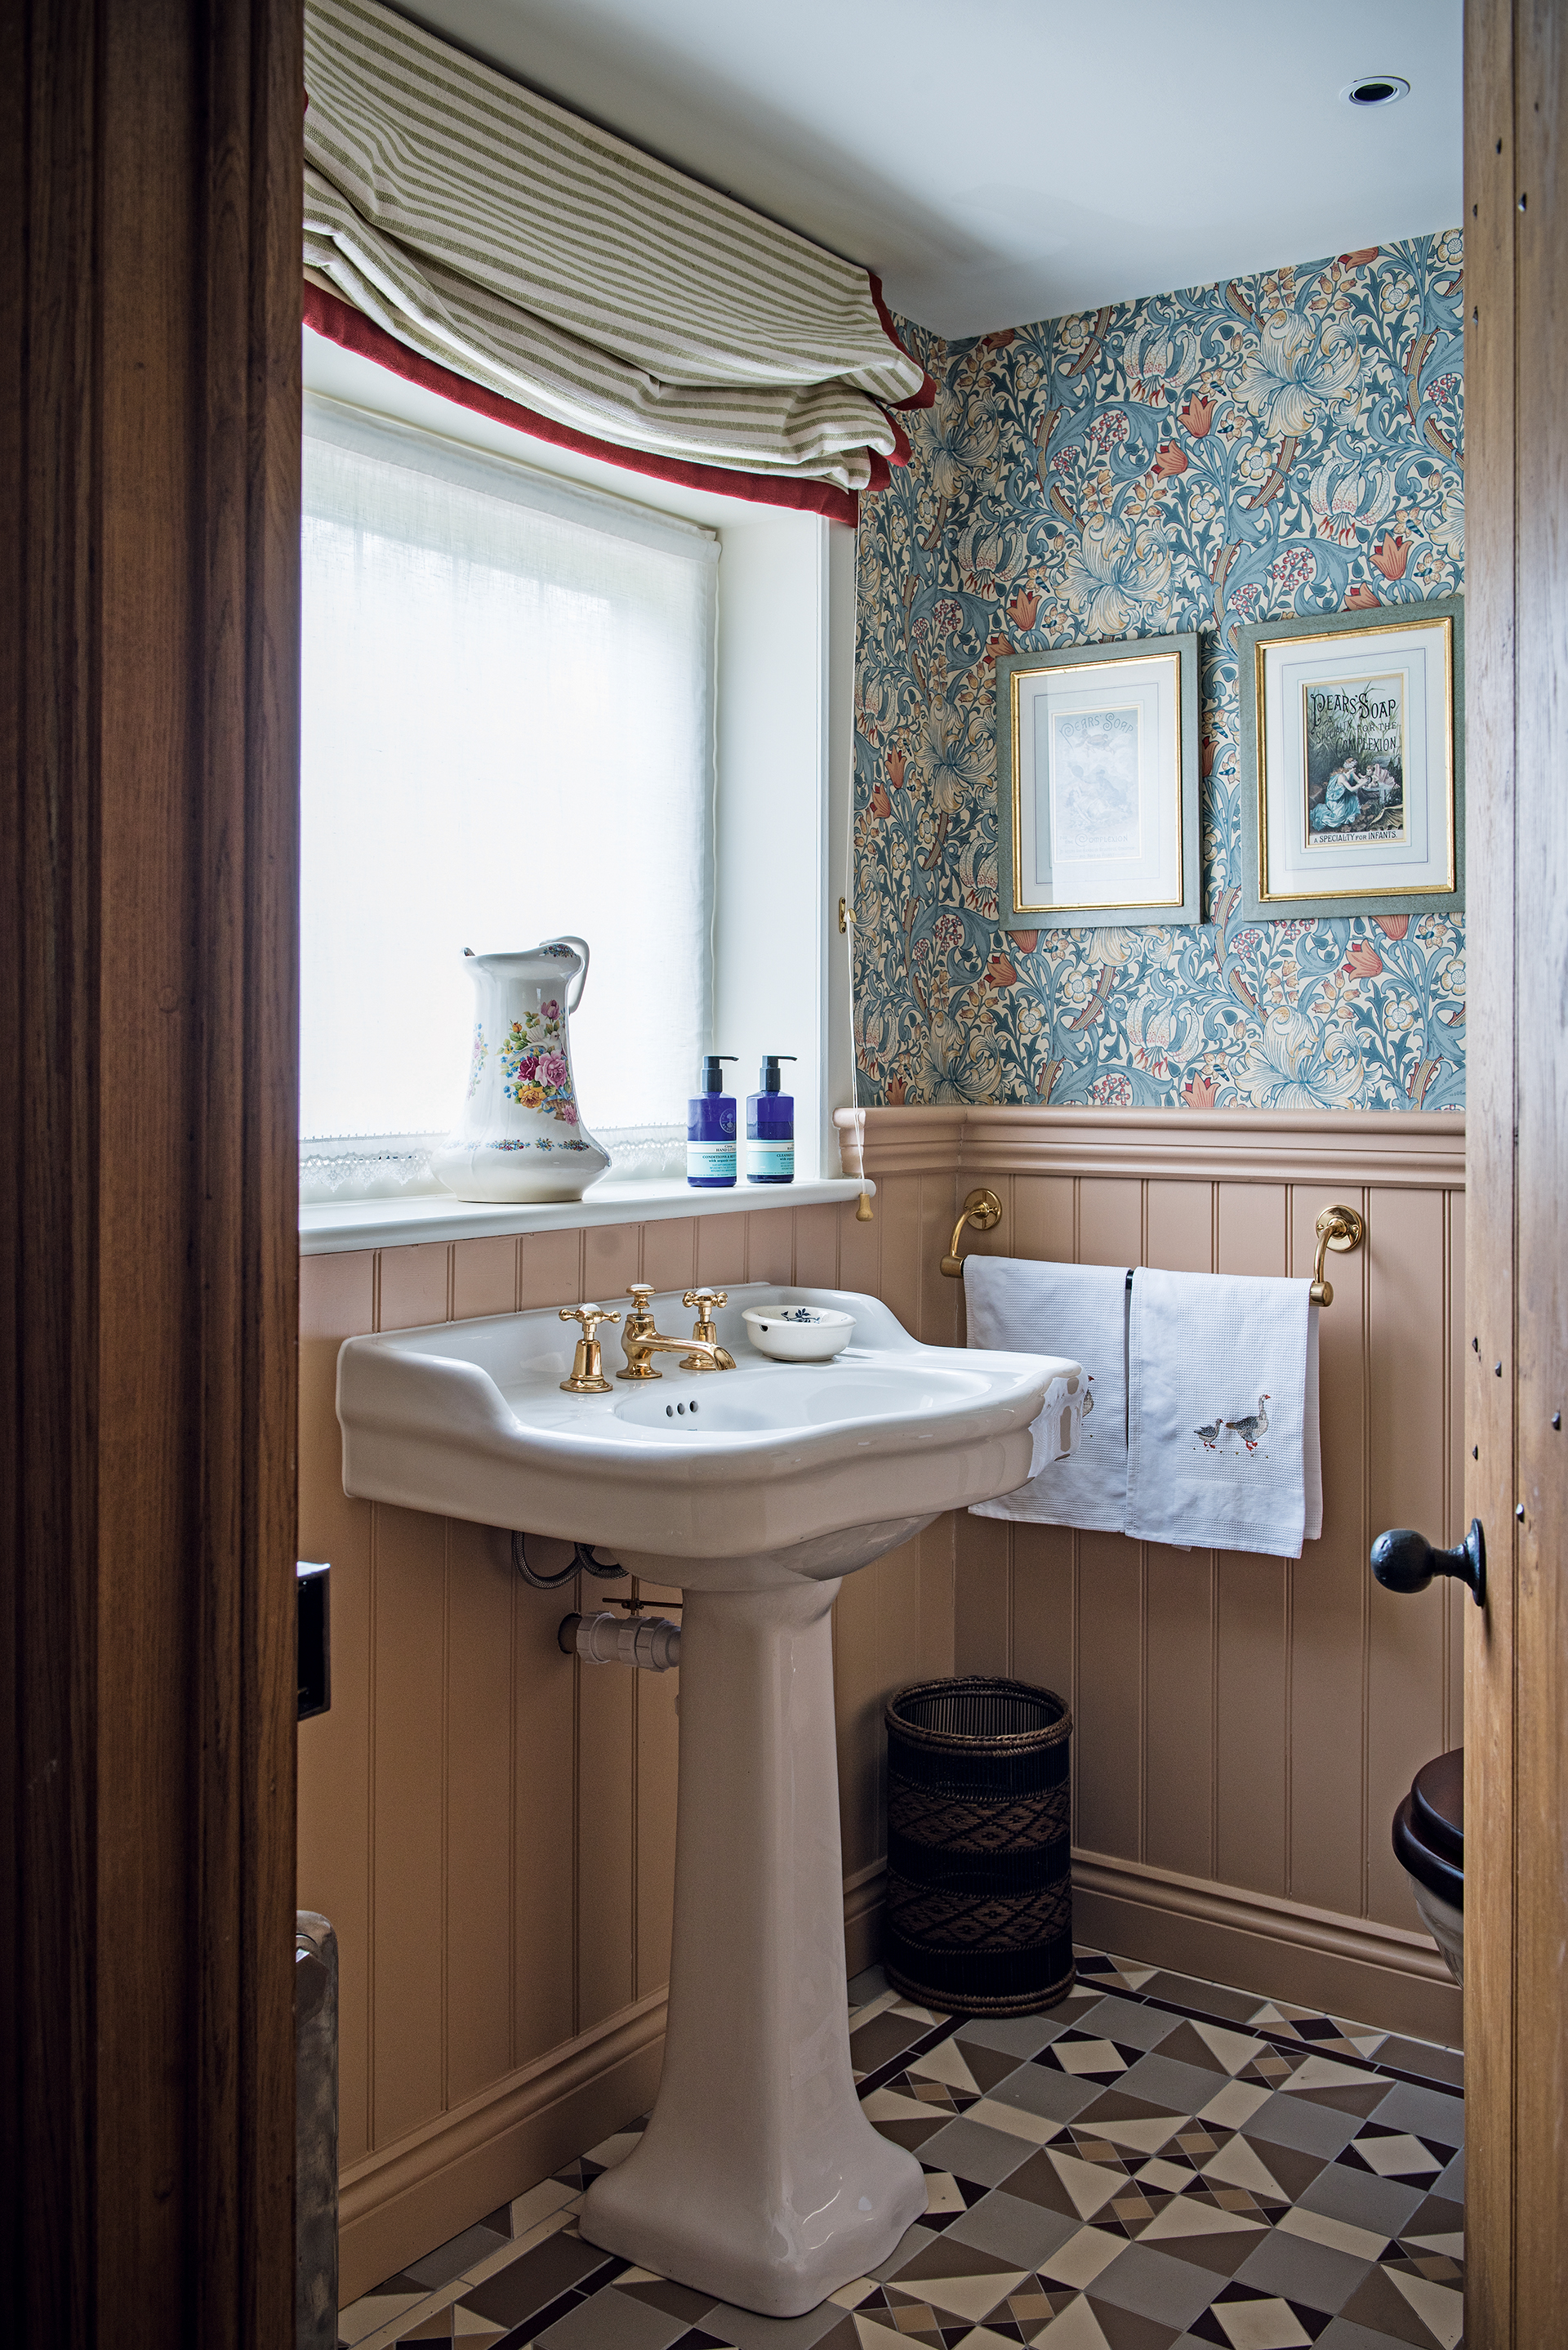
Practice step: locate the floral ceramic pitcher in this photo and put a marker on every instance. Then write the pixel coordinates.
(521, 1137)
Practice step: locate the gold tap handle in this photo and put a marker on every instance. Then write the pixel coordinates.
(590, 1317)
(639, 1292)
(707, 1302)
(587, 1368)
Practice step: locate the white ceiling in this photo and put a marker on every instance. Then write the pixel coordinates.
(1022, 159)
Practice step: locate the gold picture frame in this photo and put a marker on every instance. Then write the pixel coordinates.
(1353, 763)
(1097, 784)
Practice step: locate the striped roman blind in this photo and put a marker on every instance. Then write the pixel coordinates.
(513, 244)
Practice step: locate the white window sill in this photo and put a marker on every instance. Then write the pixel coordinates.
(333, 1226)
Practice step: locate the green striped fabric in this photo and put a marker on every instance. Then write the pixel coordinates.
(508, 239)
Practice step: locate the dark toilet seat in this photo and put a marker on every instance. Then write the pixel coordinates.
(1430, 1827)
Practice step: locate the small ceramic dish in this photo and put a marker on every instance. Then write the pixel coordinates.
(798, 1334)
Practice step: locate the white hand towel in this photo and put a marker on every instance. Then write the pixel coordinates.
(1026, 1308)
(1222, 1435)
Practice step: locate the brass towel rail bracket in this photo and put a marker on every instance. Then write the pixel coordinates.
(983, 1210)
(1337, 1228)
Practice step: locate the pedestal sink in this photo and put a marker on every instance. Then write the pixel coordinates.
(758, 2179)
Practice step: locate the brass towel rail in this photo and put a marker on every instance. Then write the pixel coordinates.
(983, 1210)
(1338, 1228)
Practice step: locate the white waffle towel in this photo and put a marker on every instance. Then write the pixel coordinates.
(1222, 1437)
(1024, 1306)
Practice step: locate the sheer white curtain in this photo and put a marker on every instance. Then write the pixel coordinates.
(508, 734)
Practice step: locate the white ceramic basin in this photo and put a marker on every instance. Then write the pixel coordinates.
(758, 2180)
(716, 1478)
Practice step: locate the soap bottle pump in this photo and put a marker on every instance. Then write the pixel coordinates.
(710, 1131)
(770, 1127)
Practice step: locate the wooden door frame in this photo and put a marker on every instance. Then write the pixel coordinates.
(1516, 1685)
(151, 166)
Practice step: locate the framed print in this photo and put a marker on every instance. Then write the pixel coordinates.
(1096, 784)
(1353, 762)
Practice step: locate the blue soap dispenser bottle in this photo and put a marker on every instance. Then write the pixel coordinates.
(770, 1127)
(710, 1131)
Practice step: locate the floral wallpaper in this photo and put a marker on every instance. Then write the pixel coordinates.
(1285, 444)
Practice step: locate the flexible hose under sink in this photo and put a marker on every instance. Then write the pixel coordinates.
(582, 1562)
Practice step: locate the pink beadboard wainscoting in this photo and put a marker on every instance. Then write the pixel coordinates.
(1245, 1726)
(491, 1825)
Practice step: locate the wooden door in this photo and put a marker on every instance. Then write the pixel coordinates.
(149, 197)
(1516, 1691)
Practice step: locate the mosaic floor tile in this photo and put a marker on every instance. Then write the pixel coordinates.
(1018, 2036)
(1088, 2055)
(675, 2299)
(974, 2150)
(1344, 2334)
(1152, 2284)
(1312, 2129)
(373, 2312)
(886, 2035)
(1437, 2118)
(1155, 2164)
(1084, 2258)
(827, 2328)
(1382, 2307)
(1339, 2235)
(1324, 2276)
(1015, 2230)
(611, 2320)
(1127, 2023)
(945, 2066)
(1244, 2320)
(1394, 2154)
(1040, 2088)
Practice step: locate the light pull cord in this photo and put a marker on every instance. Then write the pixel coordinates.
(864, 1212)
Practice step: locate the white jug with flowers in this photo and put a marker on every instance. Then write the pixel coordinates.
(521, 1137)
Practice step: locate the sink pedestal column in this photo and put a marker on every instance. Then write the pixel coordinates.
(758, 2179)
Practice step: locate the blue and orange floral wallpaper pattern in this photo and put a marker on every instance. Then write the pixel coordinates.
(1279, 444)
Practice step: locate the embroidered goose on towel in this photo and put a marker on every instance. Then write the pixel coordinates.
(1027, 1307)
(1222, 1413)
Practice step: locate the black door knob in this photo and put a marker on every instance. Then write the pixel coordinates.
(1403, 1560)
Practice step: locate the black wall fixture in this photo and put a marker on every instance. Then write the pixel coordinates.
(314, 1642)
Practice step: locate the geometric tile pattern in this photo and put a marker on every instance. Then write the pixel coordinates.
(1156, 2163)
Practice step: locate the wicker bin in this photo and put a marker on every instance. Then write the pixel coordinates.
(980, 1895)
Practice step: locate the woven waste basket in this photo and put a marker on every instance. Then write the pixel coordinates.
(980, 1895)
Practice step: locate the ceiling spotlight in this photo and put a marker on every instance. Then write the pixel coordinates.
(1376, 89)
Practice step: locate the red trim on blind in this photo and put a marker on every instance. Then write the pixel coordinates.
(927, 390)
(340, 322)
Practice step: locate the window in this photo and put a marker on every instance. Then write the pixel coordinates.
(508, 733)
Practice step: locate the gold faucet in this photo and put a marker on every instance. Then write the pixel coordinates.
(640, 1339)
